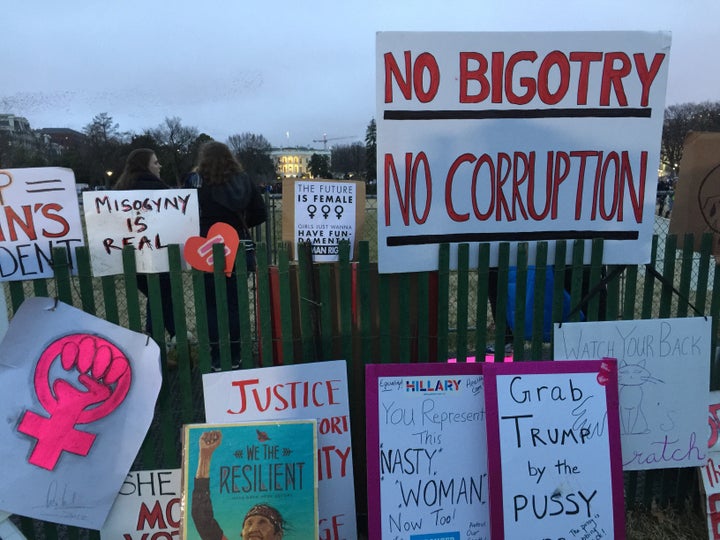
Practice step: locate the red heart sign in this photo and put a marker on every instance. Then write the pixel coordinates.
(198, 249)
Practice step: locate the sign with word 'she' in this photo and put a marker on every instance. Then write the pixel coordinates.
(236, 474)
(315, 390)
(38, 212)
(77, 395)
(517, 137)
(149, 220)
(664, 379)
(147, 507)
(554, 450)
(427, 452)
(323, 213)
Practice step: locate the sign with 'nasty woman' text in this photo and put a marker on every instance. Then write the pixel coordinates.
(427, 455)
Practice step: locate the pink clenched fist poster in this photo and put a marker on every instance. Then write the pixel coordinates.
(79, 395)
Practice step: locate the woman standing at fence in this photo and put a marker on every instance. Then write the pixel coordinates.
(142, 172)
(226, 194)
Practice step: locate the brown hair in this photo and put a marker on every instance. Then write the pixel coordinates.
(216, 163)
(136, 164)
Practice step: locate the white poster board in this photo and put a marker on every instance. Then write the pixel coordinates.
(325, 214)
(316, 390)
(149, 220)
(554, 450)
(527, 136)
(77, 395)
(39, 212)
(664, 379)
(427, 452)
(147, 507)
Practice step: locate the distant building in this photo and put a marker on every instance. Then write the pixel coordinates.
(64, 137)
(294, 162)
(17, 128)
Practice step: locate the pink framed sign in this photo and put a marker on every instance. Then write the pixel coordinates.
(554, 458)
(426, 451)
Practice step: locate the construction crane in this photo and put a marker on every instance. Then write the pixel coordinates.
(325, 140)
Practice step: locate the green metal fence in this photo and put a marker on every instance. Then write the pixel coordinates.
(295, 312)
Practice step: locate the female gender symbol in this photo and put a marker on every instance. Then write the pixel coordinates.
(103, 370)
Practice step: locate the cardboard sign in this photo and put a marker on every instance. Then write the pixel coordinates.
(39, 212)
(198, 250)
(492, 137)
(235, 472)
(664, 378)
(78, 395)
(147, 507)
(426, 450)
(314, 390)
(554, 450)
(696, 208)
(323, 212)
(149, 220)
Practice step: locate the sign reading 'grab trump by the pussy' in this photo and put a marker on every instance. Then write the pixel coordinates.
(517, 137)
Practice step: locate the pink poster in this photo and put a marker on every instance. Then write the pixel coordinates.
(426, 452)
(554, 460)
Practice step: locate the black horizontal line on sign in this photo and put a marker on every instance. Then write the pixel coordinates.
(43, 190)
(535, 236)
(517, 113)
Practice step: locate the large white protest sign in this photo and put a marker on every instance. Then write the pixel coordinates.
(38, 212)
(663, 374)
(427, 452)
(146, 508)
(315, 390)
(554, 450)
(77, 394)
(149, 220)
(491, 137)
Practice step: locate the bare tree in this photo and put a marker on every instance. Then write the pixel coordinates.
(253, 152)
(348, 160)
(177, 147)
(679, 121)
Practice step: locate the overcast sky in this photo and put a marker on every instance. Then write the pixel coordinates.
(293, 71)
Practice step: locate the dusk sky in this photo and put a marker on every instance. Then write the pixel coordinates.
(291, 71)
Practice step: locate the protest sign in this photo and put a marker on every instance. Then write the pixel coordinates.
(323, 212)
(149, 220)
(696, 205)
(426, 451)
(554, 450)
(39, 212)
(528, 136)
(78, 395)
(234, 472)
(313, 390)
(8, 530)
(710, 473)
(147, 507)
(663, 373)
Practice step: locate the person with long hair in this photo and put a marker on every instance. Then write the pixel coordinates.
(142, 172)
(226, 194)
